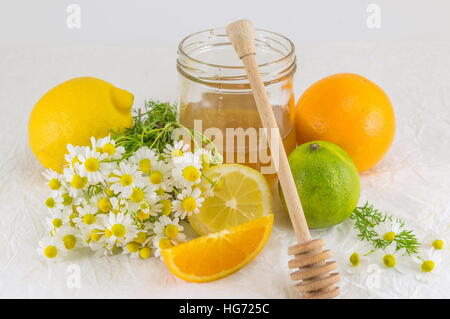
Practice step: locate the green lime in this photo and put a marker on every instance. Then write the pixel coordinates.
(327, 182)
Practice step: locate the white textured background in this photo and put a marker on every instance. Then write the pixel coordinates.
(412, 182)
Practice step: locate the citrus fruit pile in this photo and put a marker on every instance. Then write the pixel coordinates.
(235, 223)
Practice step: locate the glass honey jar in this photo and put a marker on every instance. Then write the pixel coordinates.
(214, 88)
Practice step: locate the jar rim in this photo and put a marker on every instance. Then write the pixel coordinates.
(290, 48)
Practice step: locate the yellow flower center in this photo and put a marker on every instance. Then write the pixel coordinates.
(109, 192)
(165, 243)
(389, 260)
(137, 195)
(126, 180)
(95, 235)
(109, 148)
(69, 241)
(166, 207)
(145, 165)
(91, 164)
(156, 177)
(50, 202)
(57, 222)
(145, 252)
(141, 215)
(104, 205)
(160, 191)
(389, 237)
(71, 217)
(427, 266)
(50, 252)
(189, 204)
(191, 173)
(141, 237)
(177, 152)
(438, 244)
(133, 247)
(118, 230)
(54, 184)
(78, 182)
(171, 231)
(355, 259)
(88, 219)
(67, 199)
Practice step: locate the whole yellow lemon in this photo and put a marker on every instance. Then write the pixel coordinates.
(74, 111)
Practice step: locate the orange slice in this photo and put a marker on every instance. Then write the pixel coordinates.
(218, 255)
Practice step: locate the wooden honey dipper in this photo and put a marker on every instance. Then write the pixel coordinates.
(313, 272)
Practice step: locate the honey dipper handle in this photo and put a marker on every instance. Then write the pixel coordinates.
(241, 36)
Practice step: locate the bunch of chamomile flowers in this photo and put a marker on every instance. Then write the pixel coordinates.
(117, 204)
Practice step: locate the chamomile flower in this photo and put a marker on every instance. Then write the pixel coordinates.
(388, 230)
(166, 207)
(69, 202)
(119, 229)
(211, 187)
(438, 244)
(145, 252)
(390, 257)
(54, 203)
(101, 203)
(170, 228)
(125, 178)
(177, 149)
(95, 237)
(187, 170)
(188, 202)
(92, 166)
(160, 243)
(68, 238)
(54, 223)
(140, 194)
(107, 146)
(105, 202)
(132, 248)
(144, 158)
(72, 157)
(159, 176)
(53, 178)
(437, 238)
(358, 253)
(50, 249)
(428, 264)
(207, 158)
(118, 204)
(76, 182)
(87, 215)
(150, 207)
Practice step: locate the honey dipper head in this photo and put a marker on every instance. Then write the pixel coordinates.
(315, 279)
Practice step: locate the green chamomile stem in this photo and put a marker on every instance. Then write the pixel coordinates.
(209, 180)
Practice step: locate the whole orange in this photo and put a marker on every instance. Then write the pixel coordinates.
(350, 111)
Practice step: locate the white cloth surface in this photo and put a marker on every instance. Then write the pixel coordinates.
(411, 182)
